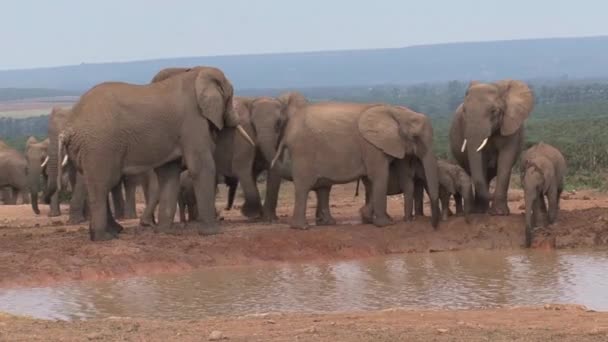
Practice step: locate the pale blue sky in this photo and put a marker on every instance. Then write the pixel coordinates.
(37, 33)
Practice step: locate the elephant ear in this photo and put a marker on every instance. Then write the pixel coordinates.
(168, 73)
(212, 90)
(291, 101)
(519, 102)
(387, 127)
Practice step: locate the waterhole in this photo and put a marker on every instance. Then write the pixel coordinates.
(455, 280)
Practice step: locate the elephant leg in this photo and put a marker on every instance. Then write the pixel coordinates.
(198, 157)
(55, 209)
(182, 209)
(97, 191)
(130, 184)
(78, 202)
(378, 174)
(232, 184)
(444, 196)
(506, 160)
(273, 185)
(112, 225)
(323, 214)
(168, 183)
(152, 199)
(366, 212)
(25, 195)
(418, 198)
(458, 201)
(552, 198)
(118, 201)
(252, 207)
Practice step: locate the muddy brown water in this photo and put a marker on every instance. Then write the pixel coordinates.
(454, 280)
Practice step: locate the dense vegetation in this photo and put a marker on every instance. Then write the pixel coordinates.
(575, 58)
(572, 115)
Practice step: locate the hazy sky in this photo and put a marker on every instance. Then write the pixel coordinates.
(45, 33)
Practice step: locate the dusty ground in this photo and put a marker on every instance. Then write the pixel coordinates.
(548, 323)
(39, 250)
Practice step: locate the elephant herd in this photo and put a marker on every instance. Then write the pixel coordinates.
(185, 132)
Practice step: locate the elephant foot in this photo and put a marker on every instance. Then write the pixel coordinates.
(366, 215)
(499, 209)
(53, 214)
(97, 235)
(444, 217)
(146, 222)
(73, 220)
(299, 224)
(271, 218)
(115, 228)
(37, 211)
(382, 221)
(325, 221)
(208, 229)
(252, 210)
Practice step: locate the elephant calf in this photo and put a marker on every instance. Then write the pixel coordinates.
(542, 172)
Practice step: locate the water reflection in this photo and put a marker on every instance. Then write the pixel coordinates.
(471, 279)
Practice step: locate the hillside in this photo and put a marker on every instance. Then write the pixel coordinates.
(572, 58)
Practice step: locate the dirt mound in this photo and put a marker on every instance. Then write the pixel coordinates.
(39, 250)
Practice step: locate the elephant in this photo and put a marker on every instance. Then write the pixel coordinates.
(120, 129)
(486, 137)
(335, 143)
(453, 181)
(264, 119)
(13, 173)
(542, 172)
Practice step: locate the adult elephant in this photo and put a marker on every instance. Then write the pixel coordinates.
(119, 129)
(332, 143)
(13, 173)
(486, 137)
(36, 154)
(264, 120)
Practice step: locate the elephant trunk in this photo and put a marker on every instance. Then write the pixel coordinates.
(33, 173)
(467, 198)
(53, 168)
(477, 169)
(432, 179)
(267, 142)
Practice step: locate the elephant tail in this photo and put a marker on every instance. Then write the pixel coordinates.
(277, 156)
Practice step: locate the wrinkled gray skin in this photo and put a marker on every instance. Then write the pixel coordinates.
(542, 171)
(13, 173)
(335, 143)
(131, 129)
(496, 111)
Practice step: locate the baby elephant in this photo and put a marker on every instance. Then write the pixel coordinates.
(542, 172)
(453, 182)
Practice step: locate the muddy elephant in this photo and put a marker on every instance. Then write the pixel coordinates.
(542, 172)
(13, 173)
(119, 129)
(486, 137)
(334, 143)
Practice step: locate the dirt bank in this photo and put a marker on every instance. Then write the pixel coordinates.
(549, 323)
(38, 250)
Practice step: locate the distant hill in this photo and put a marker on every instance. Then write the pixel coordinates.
(571, 58)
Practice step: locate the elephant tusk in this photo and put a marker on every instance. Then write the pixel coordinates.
(464, 146)
(244, 134)
(483, 143)
(46, 160)
(65, 161)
